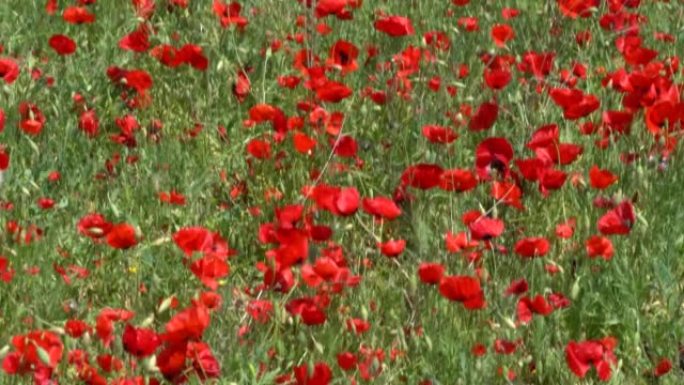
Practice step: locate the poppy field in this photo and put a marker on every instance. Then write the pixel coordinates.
(314, 192)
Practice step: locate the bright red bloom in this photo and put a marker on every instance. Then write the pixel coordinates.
(104, 323)
(89, 123)
(32, 118)
(94, 225)
(493, 154)
(618, 221)
(532, 247)
(577, 8)
(122, 236)
(598, 246)
(381, 207)
(200, 240)
(258, 148)
(9, 70)
(187, 325)
(484, 117)
(78, 15)
(574, 102)
(528, 306)
(136, 41)
(465, 289)
(62, 44)
(601, 179)
(394, 26)
(580, 356)
(343, 55)
(140, 80)
(517, 287)
(4, 159)
(457, 179)
(439, 134)
(76, 328)
(501, 34)
(38, 351)
(320, 375)
(430, 273)
(486, 228)
(333, 92)
(229, 14)
(392, 248)
(456, 243)
(423, 176)
(664, 366)
(140, 342)
(308, 309)
(210, 268)
(347, 361)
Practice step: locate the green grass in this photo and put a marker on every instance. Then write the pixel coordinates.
(636, 297)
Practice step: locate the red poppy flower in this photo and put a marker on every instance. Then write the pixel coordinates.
(486, 228)
(4, 159)
(455, 243)
(78, 15)
(501, 34)
(577, 8)
(75, 328)
(381, 207)
(9, 70)
(493, 154)
(517, 287)
(430, 273)
(345, 146)
(229, 14)
(598, 246)
(259, 149)
(140, 342)
(575, 103)
(193, 55)
(330, 7)
(32, 118)
(320, 375)
(528, 306)
(343, 55)
(94, 226)
(484, 117)
(309, 311)
(465, 289)
(347, 361)
(439, 134)
(122, 236)
(333, 92)
(392, 248)
(664, 366)
(459, 180)
(423, 176)
(580, 356)
(140, 80)
(39, 351)
(89, 123)
(62, 44)
(507, 193)
(567, 229)
(618, 221)
(209, 269)
(136, 41)
(532, 247)
(394, 26)
(601, 179)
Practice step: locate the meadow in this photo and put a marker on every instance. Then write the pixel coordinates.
(313, 192)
